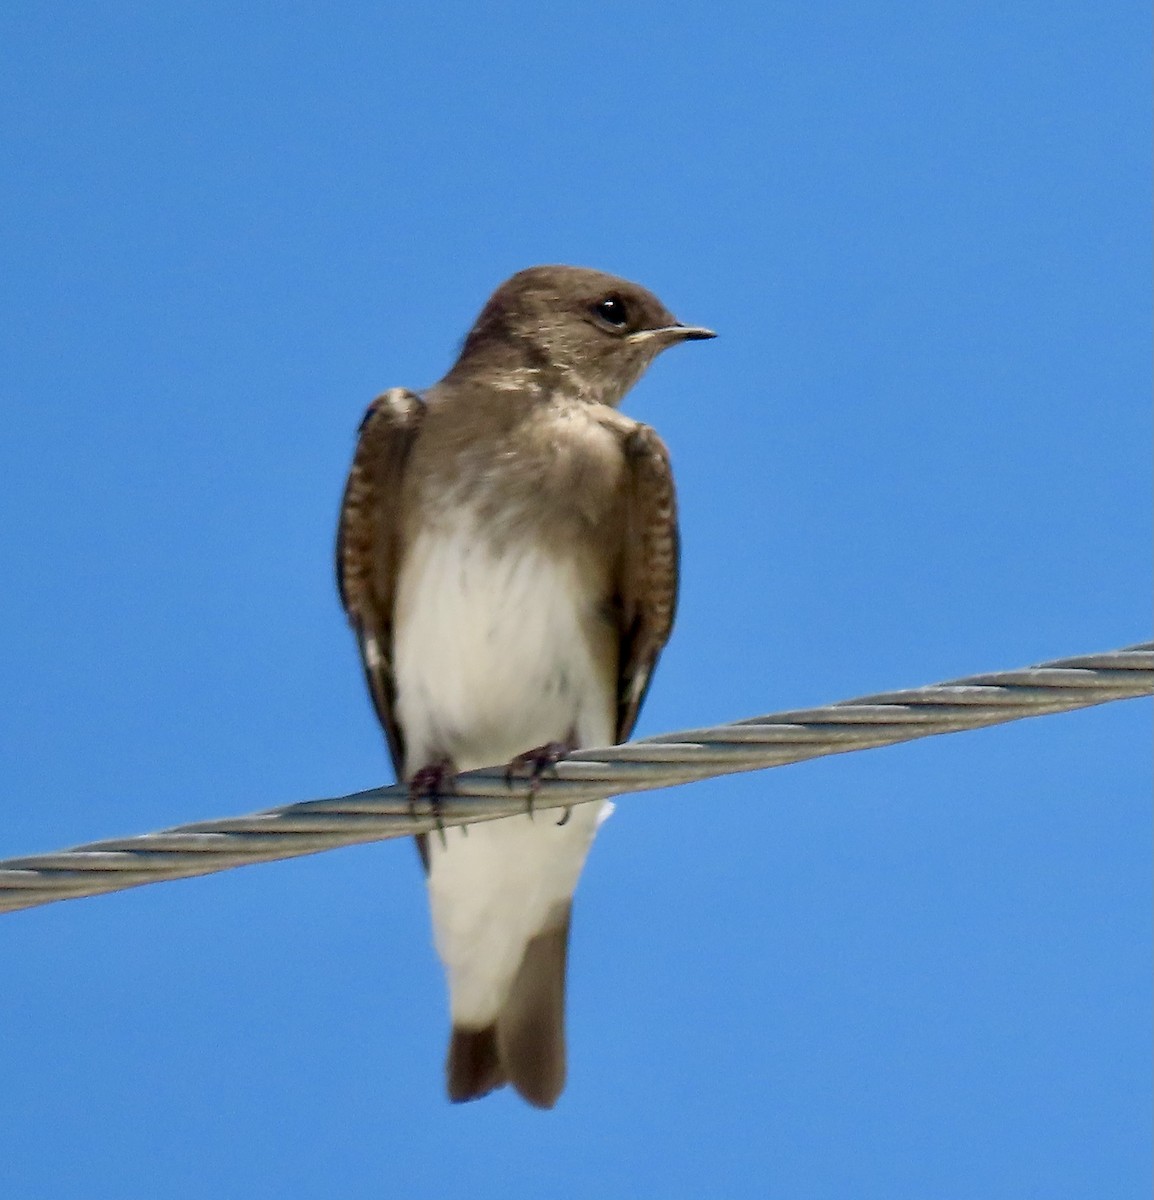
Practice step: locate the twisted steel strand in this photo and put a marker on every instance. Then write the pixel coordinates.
(673, 758)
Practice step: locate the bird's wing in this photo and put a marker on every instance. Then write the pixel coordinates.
(647, 581)
(368, 543)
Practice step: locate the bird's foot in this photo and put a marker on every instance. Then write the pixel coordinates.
(430, 783)
(538, 761)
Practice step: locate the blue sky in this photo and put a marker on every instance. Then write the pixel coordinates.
(920, 448)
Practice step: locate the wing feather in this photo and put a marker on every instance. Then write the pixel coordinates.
(368, 545)
(649, 570)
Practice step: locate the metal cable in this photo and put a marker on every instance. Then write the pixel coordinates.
(656, 762)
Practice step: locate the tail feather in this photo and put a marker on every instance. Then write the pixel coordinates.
(526, 1045)
(531, 1026)
(474, 1066)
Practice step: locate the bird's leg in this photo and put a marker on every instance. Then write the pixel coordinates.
(539, 760)
(431, 782)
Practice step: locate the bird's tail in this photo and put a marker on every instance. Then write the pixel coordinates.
(525, 1046)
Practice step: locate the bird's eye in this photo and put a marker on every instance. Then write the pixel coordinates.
(612, 311)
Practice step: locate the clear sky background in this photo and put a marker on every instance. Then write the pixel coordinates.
(920, 448)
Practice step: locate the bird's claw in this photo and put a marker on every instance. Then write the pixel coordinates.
(538, 760)
(430, 783)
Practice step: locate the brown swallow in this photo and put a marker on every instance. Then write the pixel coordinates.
(508, 558)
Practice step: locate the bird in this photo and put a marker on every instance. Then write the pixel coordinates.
(507, 556)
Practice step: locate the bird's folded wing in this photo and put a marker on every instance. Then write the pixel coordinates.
(647, 583)
(368, 544)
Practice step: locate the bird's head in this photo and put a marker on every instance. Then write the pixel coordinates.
(572, 328)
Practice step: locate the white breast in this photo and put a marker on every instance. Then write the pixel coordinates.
(492, 654)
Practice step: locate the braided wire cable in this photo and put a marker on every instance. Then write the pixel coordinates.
(656, 762)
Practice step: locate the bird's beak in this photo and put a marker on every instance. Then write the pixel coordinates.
(691, 333)
(669, 334)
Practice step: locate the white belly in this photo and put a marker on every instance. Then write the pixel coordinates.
(492, 654)
(492, 658)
